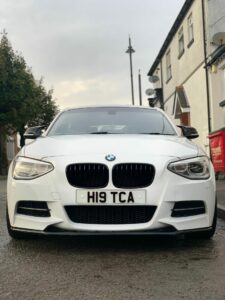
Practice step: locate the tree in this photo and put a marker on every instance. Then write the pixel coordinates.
(40, 112)
(7, 57)
(23, 100)
(47, 106)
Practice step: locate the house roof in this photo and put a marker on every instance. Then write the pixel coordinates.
(171, 34)
(217, 55)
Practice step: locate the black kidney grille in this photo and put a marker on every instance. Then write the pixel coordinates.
(110, 214)
(91, 175)
(133, 175)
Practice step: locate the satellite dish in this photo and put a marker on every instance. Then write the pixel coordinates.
(153, 78)
(150, 92)
(219, 38)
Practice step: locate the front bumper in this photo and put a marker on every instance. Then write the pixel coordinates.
(166, 189)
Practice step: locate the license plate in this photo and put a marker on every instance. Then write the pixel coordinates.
(110, 197)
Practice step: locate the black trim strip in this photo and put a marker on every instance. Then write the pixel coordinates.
(118, 233)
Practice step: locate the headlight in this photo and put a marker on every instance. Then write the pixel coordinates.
(194, 168)
(27, 168)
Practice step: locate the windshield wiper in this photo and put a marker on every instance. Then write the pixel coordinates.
(156, 133)
(149, 133)
(153, 133)
(99, 132)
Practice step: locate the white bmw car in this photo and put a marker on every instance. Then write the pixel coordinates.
(111, 170)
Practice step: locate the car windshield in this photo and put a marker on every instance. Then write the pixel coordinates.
(111, 120)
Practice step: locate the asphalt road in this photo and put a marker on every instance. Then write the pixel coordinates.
(111, 268)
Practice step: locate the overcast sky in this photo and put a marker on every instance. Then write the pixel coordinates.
(79, 46)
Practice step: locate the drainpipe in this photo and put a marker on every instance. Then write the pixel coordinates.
(162, 96)
(206, 69)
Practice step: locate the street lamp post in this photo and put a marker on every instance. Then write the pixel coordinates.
(130, 50)
(139, 84)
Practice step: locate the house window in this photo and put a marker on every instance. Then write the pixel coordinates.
(190, 30)
(180, 42)
(168, 66)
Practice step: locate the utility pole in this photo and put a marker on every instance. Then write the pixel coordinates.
(139, 85)
(130, 50)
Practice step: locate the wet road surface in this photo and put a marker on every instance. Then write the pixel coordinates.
(111, 267)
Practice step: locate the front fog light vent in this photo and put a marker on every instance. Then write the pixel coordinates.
(188, 208)
(33, 208)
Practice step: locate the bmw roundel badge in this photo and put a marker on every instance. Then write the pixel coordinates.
(110, 157)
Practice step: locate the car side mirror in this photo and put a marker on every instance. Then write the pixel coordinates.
(33, 132)
(189, 132)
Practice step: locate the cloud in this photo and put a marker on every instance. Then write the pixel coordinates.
(90, 92)
(67, 88)
(79, 46)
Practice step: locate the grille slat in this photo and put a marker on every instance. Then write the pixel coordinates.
(88, 175)
(127, 175)
(110, 214)
(132, 175)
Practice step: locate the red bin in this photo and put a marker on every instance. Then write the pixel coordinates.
(217, 148)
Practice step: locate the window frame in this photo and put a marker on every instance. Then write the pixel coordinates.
(190, 28)
(181, 42)
(168, 66)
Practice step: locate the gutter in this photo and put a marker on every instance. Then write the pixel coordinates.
(206, 70)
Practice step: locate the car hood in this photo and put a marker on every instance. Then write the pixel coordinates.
(88, 145)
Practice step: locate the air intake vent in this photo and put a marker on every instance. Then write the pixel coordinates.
(110, 214)
(88, 175)
(132, 175)
(33, 208)
(188, 208)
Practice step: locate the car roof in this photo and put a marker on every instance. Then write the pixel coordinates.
(112, 106)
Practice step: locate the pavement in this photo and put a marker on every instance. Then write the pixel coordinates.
(220, 190)
(111, 268)
(2, 186)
